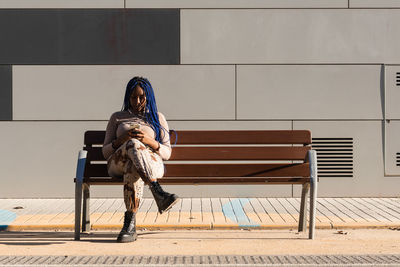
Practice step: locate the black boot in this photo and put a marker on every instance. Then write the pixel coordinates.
(128, 232)
(164, 200)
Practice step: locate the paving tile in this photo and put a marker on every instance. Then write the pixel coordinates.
(173, 214)
(390, 211)
(219, 217)
(261, 213)
(184, 217)
(195, 211)
(369, 211)
(348, 209)
(273, 213)
(250, 212)
(287, 217)
(320, 216)
(143, 209)
(206, 211)
(336, 210)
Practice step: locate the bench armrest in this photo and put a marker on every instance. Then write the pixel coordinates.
(312, 159)
(80, 168)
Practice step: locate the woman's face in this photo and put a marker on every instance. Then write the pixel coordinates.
(137, 99)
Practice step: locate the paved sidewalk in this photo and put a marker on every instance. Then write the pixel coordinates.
(249, 242)
(203, 213)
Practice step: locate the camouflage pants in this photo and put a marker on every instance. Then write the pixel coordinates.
(137, 164)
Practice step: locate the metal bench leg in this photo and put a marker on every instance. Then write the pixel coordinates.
(86, 208)
(78, 206)
(313, 196)
(303, 207)
(78, 191)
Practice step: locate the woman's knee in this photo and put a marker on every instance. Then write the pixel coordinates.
(135, 144)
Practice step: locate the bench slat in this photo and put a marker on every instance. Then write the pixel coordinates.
(224, 153)
(224, 137)
(219, 170)
(239, 153)
(214, 180)
(237, 170)
(243, 137)
(233, 180)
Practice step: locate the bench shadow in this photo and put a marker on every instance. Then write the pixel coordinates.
(36, 238)
(33, 238)
(32, 243)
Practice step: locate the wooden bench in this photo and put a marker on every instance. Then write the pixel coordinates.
(287, 159)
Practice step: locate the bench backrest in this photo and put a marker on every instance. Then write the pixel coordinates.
(220, 157)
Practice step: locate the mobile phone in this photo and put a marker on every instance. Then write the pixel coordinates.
(134, 127)
(136, 130)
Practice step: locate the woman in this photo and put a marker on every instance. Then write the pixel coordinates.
(135, 145)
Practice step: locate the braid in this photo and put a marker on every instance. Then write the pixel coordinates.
(150, 112)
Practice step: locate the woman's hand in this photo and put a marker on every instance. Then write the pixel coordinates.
(139, 135)
(144, 138)
(122, 139)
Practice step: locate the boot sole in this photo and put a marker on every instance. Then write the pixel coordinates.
(127, 239)
(170, 206)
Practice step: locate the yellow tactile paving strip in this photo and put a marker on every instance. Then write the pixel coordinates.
(203, 213)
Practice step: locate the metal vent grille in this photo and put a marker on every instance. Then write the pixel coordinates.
(397, 159)
(335, 156)
(397, 78)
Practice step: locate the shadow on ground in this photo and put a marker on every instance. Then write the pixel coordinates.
(58, 237)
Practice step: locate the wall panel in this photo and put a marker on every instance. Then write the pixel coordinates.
(392, 92)
(374, 3)
(290, 36)
(392, 147)
(89, 36)
(236, 4)
(61, 3)
(5, 92)
(94, 92)
(39, 158)
(309, 92)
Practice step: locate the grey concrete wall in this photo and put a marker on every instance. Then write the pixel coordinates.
(392, 94)
(328, 66)
(237, 4)
(271, 36)
(311, 92)
(392, 148)
(94, 92)
(62, 4)
(5, 92)
(89, 36)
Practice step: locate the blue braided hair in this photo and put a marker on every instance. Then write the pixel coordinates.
(150, 112)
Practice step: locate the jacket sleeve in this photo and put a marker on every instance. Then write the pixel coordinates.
(165, 145)
(110, 136)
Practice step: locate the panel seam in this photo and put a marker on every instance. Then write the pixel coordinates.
(11, 94)
(236, 92)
